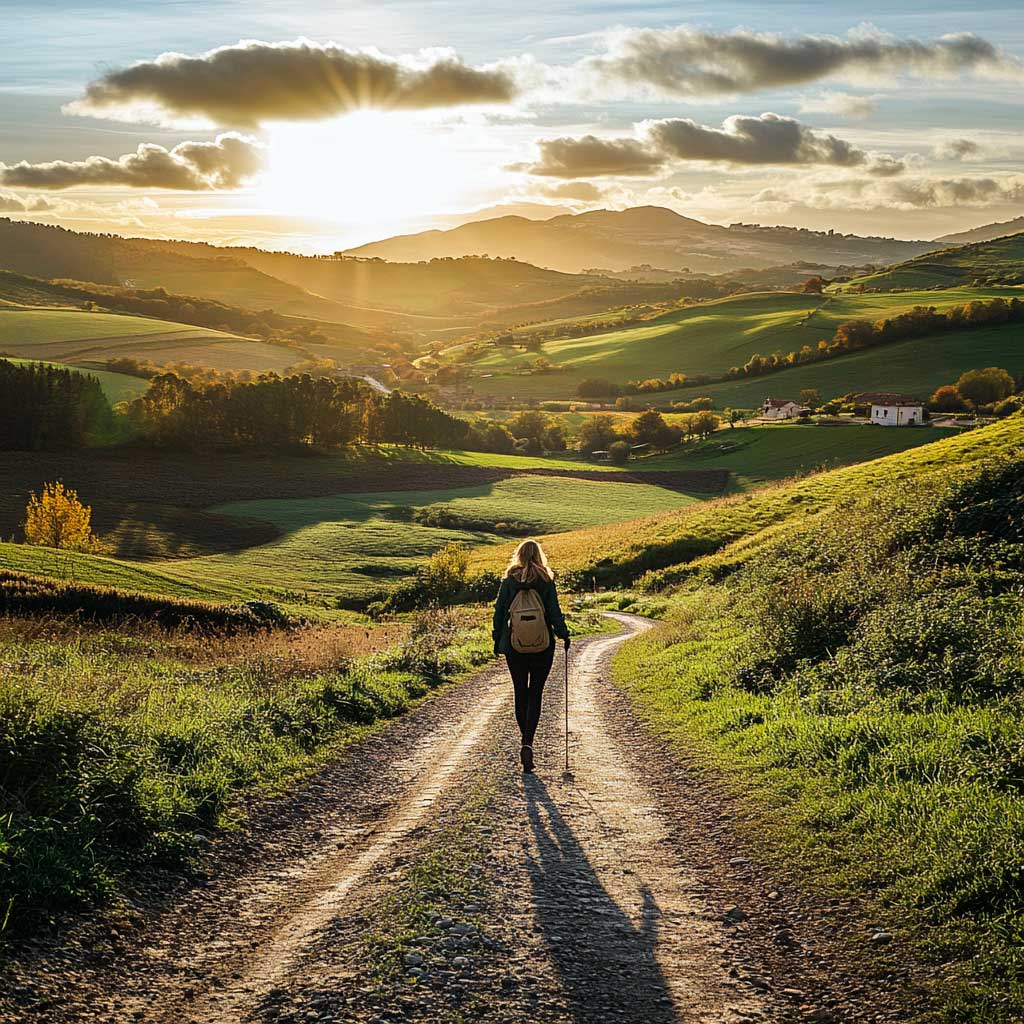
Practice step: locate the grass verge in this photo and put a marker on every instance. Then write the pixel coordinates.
(860, 679)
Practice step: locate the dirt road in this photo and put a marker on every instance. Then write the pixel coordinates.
(607, 894)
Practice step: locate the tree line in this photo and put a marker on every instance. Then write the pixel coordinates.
(46, 407)
(854, 335)
(283, 412)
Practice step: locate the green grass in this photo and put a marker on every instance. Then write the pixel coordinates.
(124, 748)
(74, 336)
(620, 553)
(712, 336)
(755, 455)
(118, 387)
(999, 259)
(916, 366)
(353, 546)
(858, 677)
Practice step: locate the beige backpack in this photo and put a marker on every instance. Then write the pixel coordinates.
(528, 625)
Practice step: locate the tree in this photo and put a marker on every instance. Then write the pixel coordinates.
(650, 428)
(619, 453)
(815, 285)
(528, 423)
(983, 387)
(497, 439)
(57, 519)
(946, 399)
(704, 424)
(811, 397)
(598, 433)
(554, 439)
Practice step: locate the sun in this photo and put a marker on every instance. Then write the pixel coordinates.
(369, 166)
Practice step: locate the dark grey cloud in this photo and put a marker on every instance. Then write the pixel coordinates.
(768, 139)
(741, 141)
(251, 82)
(591, 157)
(956, 191)
(957, 149)
(225, 163)
(687, 61)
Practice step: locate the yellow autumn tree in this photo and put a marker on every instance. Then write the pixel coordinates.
(57, 519)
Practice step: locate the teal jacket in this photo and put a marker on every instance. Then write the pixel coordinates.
(552, 610)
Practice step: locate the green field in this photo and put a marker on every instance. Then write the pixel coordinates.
(1000, 259)
(348, 546)
(712, 336)
(621, 552)
(62, 335)
(756, 455)
(916, 366)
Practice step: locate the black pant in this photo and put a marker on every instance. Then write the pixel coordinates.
(529, 673)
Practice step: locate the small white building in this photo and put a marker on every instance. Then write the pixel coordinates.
(895, 410)
(781, 409)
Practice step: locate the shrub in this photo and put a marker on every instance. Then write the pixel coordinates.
(57, 519)
(619, 453)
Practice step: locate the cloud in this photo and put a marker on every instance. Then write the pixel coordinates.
(957, 149)
(250, 82)
(11, 203)
(225, 163)
(842, 103)
(686, 61)
(589, 157)
(898, 194)
(741, 141)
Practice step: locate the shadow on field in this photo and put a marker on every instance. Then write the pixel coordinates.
(606, 962)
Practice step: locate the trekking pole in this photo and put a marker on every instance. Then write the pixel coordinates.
(567, 709)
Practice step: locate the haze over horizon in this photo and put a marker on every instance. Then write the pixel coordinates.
(314, 129)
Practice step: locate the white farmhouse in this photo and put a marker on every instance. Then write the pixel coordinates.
(889, 410)
(780, 409)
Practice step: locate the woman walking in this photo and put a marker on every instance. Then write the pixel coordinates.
(527, 618)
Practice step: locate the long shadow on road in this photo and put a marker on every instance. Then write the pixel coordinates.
(607, 963)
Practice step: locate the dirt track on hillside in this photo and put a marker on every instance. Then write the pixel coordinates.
(618, 892)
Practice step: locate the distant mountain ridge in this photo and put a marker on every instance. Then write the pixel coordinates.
(986, 232)
(424, 298)
(620, 239)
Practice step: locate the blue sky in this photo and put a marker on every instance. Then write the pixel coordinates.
(52, 50)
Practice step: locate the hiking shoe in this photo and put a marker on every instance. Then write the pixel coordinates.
(526, 756)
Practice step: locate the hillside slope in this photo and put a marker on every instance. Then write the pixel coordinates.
(985, 233)
(77, 337)
(854, 672)
(642, 235)
(430, 297)
(991, 261)
(713, 336)
(669, 543)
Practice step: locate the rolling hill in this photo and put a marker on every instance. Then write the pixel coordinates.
(78, 337)
(642, 235)
(985, 233)
(425, 299)
(710, 337)
(990, 261)
(669, 542)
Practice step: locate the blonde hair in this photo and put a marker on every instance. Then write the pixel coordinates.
(529, 563)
